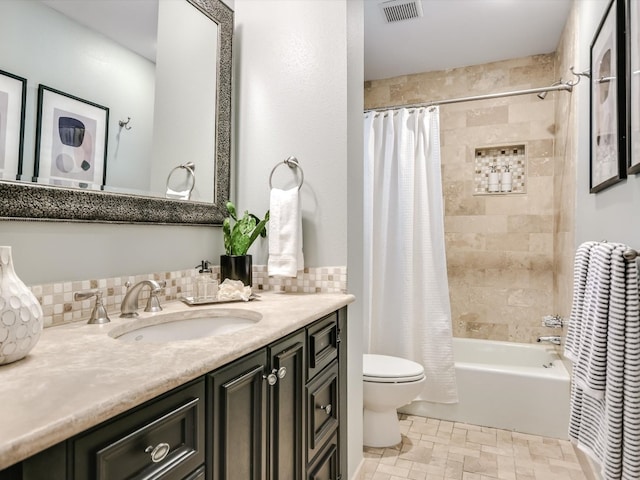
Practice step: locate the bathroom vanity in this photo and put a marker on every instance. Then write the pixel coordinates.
(265, 402)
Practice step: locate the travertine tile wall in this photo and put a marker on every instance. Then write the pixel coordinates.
(564, 181)
(500, 249)
(59, 307)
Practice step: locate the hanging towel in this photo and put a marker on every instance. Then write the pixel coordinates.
(285, 233)
(604, 345)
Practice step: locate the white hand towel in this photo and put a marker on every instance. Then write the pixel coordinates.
(285, 233)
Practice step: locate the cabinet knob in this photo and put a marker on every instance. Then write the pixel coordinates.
(271, 379)
(326, 408)
(282, 372)
(159, 452)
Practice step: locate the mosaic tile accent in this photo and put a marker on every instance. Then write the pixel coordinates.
(59, 307)
(499, 158)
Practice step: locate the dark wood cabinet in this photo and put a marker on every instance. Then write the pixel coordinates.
(237, 419)
(276, 414)
(286, 408)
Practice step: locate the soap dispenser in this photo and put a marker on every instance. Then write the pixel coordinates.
(506, 179)
(494, 179)
(206, 285)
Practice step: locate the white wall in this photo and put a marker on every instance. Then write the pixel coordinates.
(299, 91)
(88, 66)
(611, 214)
(291, 81)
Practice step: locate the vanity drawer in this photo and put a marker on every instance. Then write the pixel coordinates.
(160, 440)
(326, 467)
(322, 341)
(322, 409)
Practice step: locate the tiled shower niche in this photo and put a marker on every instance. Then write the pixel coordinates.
(500, 159)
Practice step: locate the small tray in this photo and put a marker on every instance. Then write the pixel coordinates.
(192, 301)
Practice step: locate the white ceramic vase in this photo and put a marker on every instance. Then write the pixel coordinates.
(20, 313)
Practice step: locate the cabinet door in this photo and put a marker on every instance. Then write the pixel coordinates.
(286, 401)
(238, 414)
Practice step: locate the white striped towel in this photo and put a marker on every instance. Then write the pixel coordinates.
(605, 349)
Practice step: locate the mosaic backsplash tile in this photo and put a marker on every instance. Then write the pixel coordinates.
(500, 160)
(59, 307)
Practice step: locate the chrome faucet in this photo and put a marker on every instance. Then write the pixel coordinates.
(553, 321)
(99, 312)
(555, 339)
(129, 306)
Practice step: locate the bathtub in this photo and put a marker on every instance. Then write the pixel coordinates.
(515, 386)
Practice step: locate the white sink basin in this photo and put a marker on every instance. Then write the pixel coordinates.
(171, 327)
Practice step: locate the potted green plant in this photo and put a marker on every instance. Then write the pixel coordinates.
(236, 264)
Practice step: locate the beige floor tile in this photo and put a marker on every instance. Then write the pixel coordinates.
(483, 438)
(432, 449)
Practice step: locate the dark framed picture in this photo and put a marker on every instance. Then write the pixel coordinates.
(607, 99)
(633, 76)
(71, 140)
(13, 96)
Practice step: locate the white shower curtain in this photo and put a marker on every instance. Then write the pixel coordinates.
(406, 288)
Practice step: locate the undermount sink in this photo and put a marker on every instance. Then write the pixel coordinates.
(171, 327)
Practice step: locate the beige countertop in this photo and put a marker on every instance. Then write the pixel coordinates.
(78, 376)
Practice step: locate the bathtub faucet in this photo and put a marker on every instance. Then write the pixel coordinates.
(555, 339)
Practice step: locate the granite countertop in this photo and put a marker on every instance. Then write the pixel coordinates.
(78, 376)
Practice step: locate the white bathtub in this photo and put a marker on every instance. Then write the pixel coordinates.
(514, 386)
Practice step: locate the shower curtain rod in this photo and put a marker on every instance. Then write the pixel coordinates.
(553, 88)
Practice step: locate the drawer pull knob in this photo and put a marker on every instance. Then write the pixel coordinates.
(282, 372)
(271, 379)
(327, 408)
(159, 452)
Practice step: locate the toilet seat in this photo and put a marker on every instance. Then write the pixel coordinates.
(387, 369)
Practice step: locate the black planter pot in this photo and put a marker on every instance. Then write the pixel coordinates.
(236, 267)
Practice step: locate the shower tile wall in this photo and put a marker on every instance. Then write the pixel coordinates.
(500, 249)
(564, 180)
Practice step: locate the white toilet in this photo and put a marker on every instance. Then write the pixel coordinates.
(389, 383)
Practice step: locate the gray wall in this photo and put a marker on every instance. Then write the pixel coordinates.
(612, 214)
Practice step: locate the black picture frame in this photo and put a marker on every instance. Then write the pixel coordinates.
(71, 140)
(13, 99)
(608, 122)
(633, 85)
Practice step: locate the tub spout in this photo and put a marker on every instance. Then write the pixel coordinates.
(555, 339)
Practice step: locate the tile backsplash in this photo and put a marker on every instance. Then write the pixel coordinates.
(59, 306)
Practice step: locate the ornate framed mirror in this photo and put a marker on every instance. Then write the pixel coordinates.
(30, 199)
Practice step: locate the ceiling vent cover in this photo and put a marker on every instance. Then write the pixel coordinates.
(397, 10)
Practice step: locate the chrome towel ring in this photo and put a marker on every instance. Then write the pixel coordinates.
(184, 194)
(291, 162)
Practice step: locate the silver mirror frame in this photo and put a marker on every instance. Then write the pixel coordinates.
(32, 201)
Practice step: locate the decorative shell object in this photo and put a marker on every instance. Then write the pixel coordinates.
(20, 313)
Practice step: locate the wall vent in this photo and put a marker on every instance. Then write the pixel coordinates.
(397, 10)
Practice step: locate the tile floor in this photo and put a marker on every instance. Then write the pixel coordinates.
(439, 450)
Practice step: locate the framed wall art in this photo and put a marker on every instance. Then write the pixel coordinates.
(71, 140)
(607, 99)
(633, 77)
(13, 95)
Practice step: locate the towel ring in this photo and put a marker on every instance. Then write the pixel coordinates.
(186, 194)
(291, 162)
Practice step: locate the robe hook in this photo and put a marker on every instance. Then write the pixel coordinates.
(124, 124)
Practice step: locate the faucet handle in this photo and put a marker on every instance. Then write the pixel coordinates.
(99, 312)
(153, 303)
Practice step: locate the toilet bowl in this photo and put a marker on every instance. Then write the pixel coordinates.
(389, 383)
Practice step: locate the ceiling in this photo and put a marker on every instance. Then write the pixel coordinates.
(132, 23)
(458, 33)
(452, 33)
